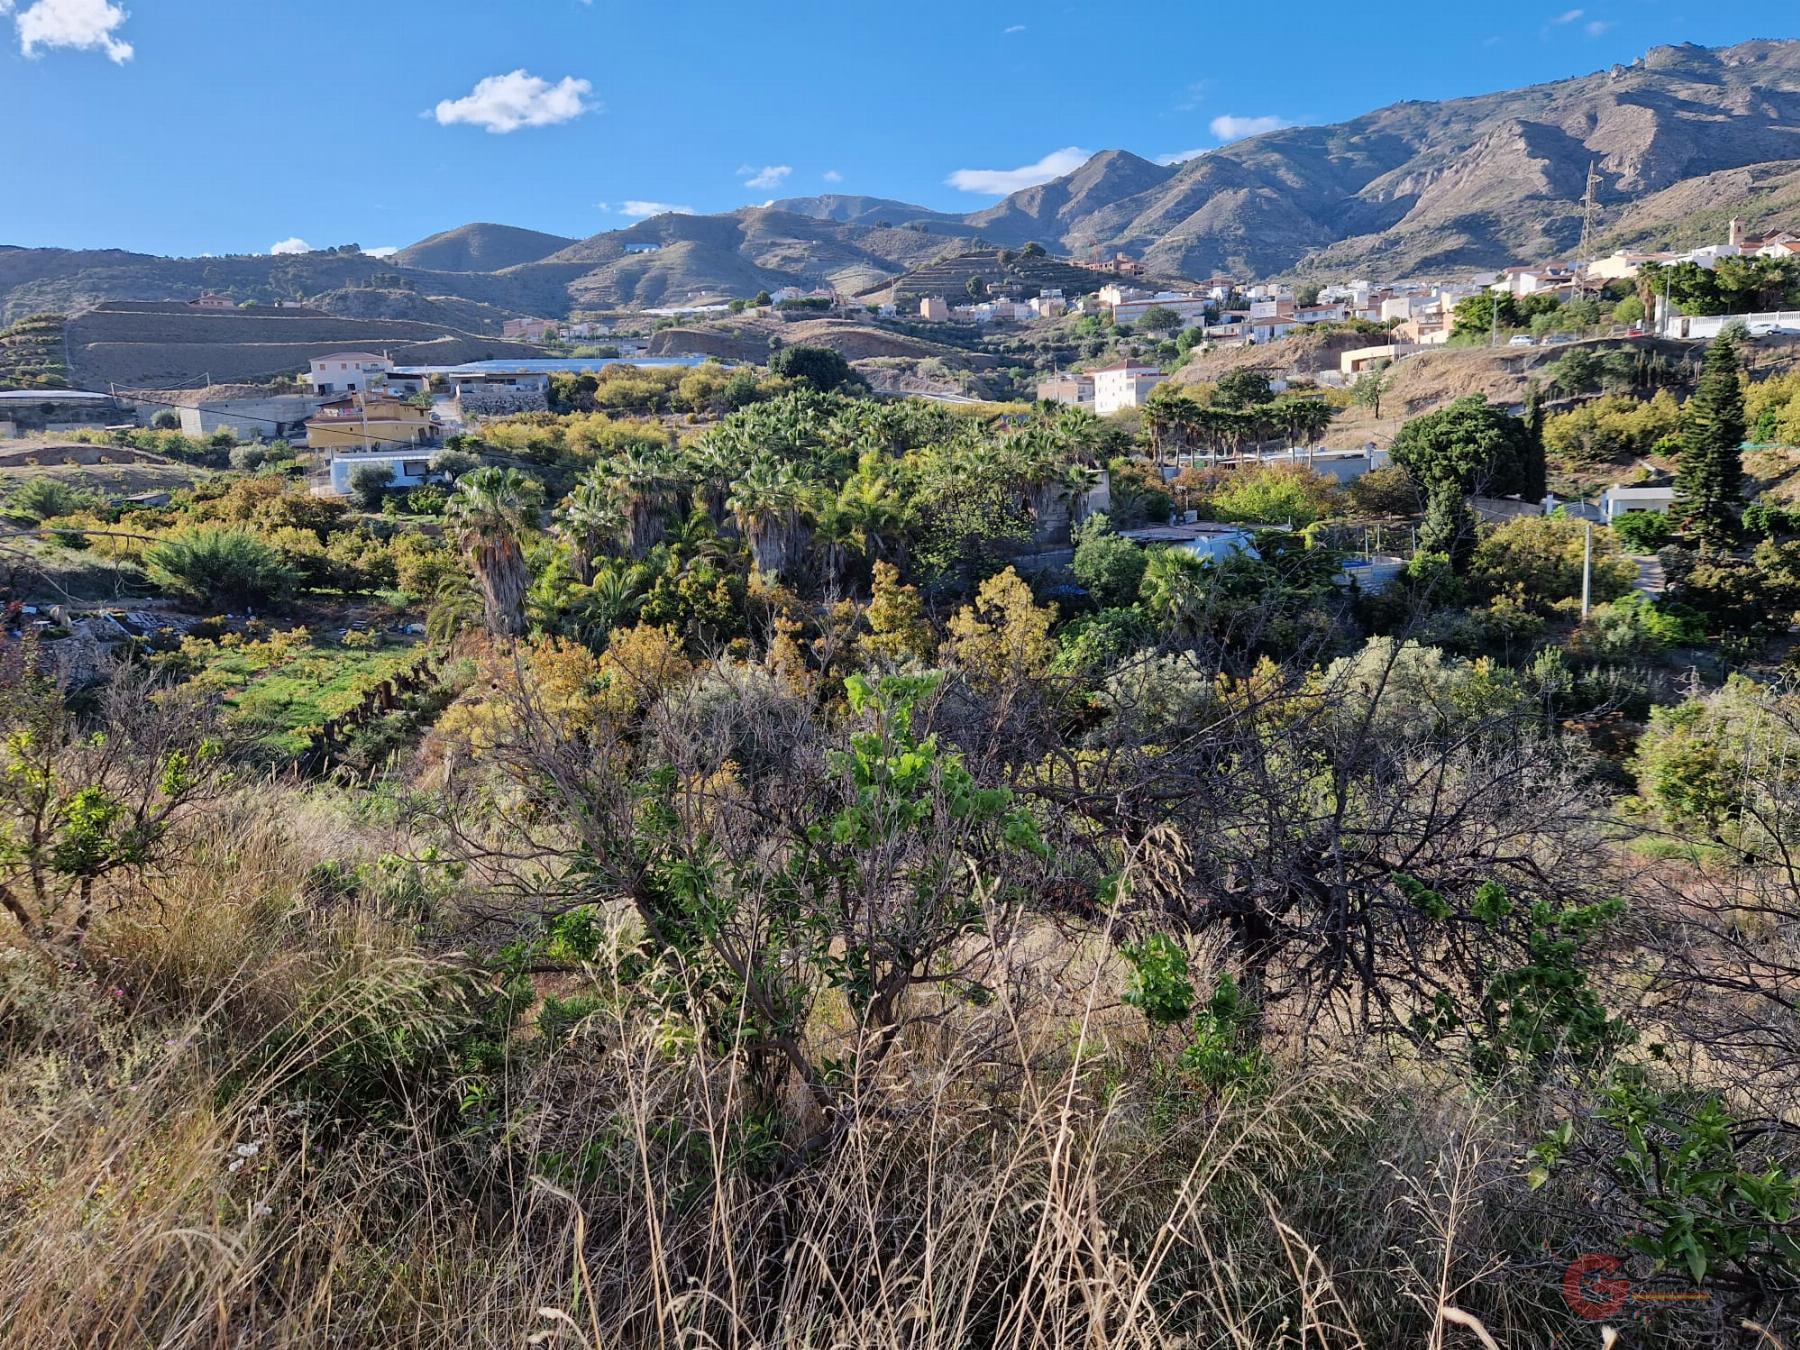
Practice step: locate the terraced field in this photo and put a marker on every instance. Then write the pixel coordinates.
(166, 346)
(31, 354)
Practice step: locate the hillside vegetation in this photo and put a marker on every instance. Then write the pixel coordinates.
(737, 861)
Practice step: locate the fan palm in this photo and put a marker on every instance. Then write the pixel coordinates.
(488, 515)
(645, 482)
(768, 502)
(1174, 590)
(588, 517)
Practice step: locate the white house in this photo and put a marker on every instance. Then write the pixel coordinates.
(348, 372)
(1270, 327)
(1619, 500)
(1124, 384)
(1522, 281)
(408, 471)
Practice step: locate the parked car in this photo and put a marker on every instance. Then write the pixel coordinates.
(1521, 341)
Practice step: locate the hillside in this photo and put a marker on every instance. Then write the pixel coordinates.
(693, 258)
(480, 248)
(750, 337)
(1699, 210)
(164, 346)
(1680, 140)
(367, 302)
(1422, 186)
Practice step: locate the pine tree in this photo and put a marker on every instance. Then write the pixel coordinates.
(1709, 483)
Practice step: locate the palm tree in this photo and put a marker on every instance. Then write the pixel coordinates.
(1078, 480)
(645, 482)
(491, 509)
(455, 602)
(862, 518)
(614, 597)
(1174, 589)
(716, 459)
(768, 502)
(587, 518)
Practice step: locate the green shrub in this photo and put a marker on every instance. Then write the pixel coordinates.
(1110, 567)
(1642, 531)
(224, 569)
(370, 483)
(42, 499)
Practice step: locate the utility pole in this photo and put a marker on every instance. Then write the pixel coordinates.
(1587, 225)
(1587, 570)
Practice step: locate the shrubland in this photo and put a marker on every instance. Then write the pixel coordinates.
(801, 906)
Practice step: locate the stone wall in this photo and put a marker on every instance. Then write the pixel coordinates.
(501, 402)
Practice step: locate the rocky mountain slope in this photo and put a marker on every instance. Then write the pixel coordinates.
(1678, 140)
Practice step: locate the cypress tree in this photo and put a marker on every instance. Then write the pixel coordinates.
(1449, 526)
(1709, 482)
(1534, 473)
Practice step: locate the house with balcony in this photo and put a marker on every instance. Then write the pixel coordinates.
(369, 423)
(1077, 391)
(347, 372)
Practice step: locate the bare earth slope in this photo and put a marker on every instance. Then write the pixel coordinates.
(481, 248)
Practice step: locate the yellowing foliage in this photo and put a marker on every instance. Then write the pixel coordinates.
(1004, 637)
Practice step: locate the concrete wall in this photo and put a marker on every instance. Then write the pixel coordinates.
(251, 419)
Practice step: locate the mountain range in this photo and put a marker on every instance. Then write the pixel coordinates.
(1675, 142)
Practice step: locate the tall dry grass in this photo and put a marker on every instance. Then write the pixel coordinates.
(275, 1120)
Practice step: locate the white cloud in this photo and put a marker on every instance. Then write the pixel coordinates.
(1595, 27)
(638, 210)
(832, 176)
(999, 182)
(1233, 128)
(1180, 156)
(290, 246)
(84, 25)
(386, 251)
(769, 176)
(1015, 28)
(507, 103)
(1568, 16)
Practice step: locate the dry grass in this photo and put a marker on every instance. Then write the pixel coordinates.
(265, 1126)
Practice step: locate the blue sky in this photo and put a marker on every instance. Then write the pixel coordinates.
(231, 126)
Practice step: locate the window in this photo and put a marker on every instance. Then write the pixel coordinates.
(415, 468)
